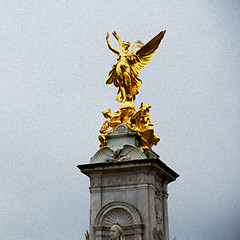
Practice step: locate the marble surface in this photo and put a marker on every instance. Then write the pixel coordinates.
(128, 185)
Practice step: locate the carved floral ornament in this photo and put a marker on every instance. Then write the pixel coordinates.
(158, 207)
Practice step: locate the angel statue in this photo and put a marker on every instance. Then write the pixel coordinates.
(124, 73)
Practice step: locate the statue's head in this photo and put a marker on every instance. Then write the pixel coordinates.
(125, 45)
(115, 231)
(106, 112)
(145, 107)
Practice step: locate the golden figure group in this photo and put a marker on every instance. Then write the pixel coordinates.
(139, 121)
(124, 75)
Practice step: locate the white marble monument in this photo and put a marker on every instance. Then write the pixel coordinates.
(128, 187)
(128, 181)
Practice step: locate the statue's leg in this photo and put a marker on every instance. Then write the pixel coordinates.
(122, 89)
(127, 76)
(127, 79)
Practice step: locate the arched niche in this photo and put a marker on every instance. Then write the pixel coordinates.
(123, 213)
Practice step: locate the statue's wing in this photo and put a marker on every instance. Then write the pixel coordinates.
(145, 52)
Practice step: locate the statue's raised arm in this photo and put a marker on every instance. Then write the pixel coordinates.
(118, 39)
(109, 45)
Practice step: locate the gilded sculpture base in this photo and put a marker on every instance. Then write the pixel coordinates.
(139, 121)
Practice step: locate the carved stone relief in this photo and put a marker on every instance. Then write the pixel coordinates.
(114, 154)
(158, 183)
(123, 180)
(159, 208)
(120, 213)
(117, 215)
(121, 128)
(95, 182)
(158, 234)
(116, 232)
(142, 178)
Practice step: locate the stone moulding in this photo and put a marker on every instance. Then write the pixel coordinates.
(159, 167)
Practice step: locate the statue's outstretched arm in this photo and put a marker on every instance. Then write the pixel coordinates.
(118, 39)
(109, 45)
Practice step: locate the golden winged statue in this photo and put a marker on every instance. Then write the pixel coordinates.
(124, 73)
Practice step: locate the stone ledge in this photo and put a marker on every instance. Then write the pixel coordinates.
(155, 165)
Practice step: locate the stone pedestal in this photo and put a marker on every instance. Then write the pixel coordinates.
(128, 186)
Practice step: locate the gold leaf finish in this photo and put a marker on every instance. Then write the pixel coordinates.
(139, 121)
(124, 76)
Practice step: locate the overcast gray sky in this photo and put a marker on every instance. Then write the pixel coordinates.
(53, 66)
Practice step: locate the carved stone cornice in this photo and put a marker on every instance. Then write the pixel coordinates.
(132, 166)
